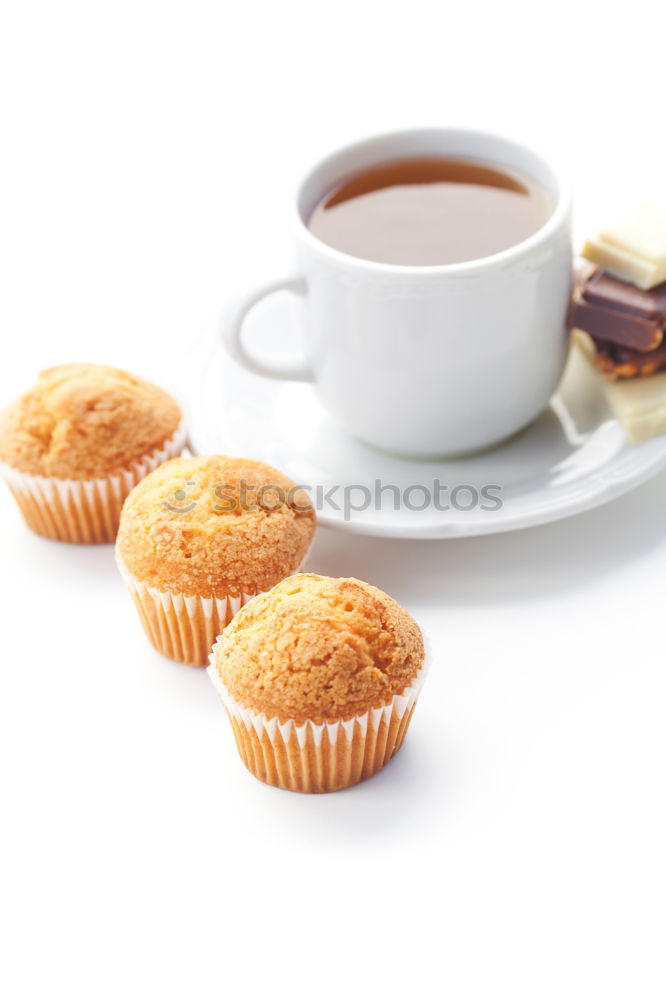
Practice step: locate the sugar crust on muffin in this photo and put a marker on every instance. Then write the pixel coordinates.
(84, 421)
(212, 525)
(319, 648)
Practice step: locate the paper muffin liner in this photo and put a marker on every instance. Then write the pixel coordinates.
(181, 626)
(320, 757)
(83, 510)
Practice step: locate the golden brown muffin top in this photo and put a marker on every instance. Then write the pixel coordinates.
(212, 526)
(85, 422)
(319, 648)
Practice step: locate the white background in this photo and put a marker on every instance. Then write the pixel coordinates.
(515, 847)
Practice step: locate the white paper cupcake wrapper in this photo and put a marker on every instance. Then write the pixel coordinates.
(320, 757)
(83, 510)
(182, 626)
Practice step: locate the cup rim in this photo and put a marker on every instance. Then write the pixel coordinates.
(559, 216)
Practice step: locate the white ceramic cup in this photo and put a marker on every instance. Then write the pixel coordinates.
(426, 361)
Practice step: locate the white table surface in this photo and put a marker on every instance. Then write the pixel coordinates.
(515, 847)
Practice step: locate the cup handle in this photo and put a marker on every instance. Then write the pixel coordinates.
(294, 369)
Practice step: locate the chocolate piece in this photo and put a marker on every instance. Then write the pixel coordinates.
(639, 404)
(623, 329)
(633, 248)
(616, 362)
(605, 290)
(615, 312)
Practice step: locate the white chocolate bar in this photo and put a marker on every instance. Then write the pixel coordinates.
(638, 403)
(633, 248)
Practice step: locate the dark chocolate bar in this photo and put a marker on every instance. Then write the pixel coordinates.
(614, 312)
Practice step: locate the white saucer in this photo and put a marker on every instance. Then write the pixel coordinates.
(573, 458)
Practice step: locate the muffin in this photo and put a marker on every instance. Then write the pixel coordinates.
(199, 537)
(319, 678)
(72, 448)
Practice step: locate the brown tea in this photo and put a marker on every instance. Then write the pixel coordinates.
(430, 210)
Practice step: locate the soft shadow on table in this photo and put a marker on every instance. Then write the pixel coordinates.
(517, 565)
(409, 790)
